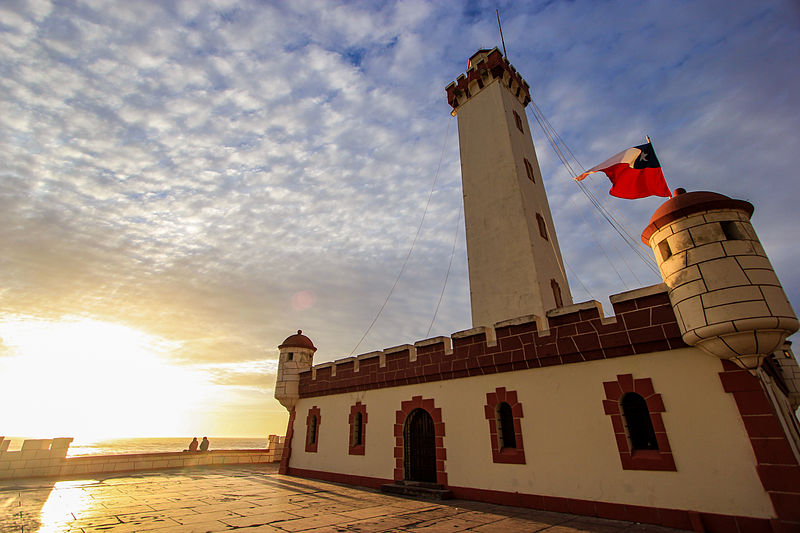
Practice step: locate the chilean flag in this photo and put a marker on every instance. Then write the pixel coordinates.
(634, 173)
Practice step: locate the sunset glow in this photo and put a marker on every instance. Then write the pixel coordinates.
(94, 379)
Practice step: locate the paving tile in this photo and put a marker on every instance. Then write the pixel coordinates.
(478, 517)
(371, 512)
(201, 527)
(512, 525)
(95, 521)
(205, 517)
(261, 529)
(446, 526)
(270, 509)
(255, 498)
(229, 506)
(572, 526)
(304, 524)
(258, 520)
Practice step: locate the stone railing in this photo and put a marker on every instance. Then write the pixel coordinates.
(47, 458)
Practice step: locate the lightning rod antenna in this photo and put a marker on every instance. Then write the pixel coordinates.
(497, 11)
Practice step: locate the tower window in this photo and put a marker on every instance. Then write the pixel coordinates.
(637, 420)
(518, 121)
(529, 170)
(290, 356)
(732, 231)
(505, 423)
(358, 429)
(664, 250)
(313, 421)
(556, 293)
(542, 226)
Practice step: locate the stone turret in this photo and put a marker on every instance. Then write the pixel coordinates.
(296, 355)
(726, 296)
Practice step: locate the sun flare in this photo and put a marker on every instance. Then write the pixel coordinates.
(91, 379)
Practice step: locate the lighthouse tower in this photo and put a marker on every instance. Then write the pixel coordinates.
(515, 265)
(726, 296)
(296, 355)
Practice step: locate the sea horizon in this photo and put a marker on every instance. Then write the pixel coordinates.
(126, 445)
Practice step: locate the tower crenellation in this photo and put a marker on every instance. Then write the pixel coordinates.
(486, 65)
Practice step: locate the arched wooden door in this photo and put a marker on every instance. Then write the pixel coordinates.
(419, 447)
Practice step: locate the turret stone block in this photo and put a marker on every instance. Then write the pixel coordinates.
(726, 296)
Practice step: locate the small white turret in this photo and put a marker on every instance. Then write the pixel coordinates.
(726, 296)
(296, 355)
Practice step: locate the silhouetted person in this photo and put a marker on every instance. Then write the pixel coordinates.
(193, 445)
(204, 445)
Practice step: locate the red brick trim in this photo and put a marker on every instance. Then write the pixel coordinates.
(660, 459)
(675, 518)
(314, 412)
(406, 407)
(359, 449)
(776, 464)
(287, 444)
(505, 455)
(336, 477)
(643, 325)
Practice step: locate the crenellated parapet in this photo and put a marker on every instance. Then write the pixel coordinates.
(485, 66)
(643, 322)
(36, 458)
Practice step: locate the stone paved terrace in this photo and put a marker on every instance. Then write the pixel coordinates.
(256, 498)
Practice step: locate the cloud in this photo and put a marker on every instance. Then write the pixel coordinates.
(188, 168)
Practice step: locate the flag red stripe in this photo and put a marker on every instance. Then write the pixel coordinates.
(632, 183)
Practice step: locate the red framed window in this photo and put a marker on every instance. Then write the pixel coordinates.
(504, 413)
(313, 421)
(358, 429)
(635, 410)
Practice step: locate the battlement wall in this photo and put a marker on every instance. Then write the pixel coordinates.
(643, 322)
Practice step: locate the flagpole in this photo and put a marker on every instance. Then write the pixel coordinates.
(497, 11)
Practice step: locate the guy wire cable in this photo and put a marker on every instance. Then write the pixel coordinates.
(620, 228)
(449, 266)
(413, 242)
(599, 200)
(600, 196)
(569, 169)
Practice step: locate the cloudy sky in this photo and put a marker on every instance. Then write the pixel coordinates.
(184, 184)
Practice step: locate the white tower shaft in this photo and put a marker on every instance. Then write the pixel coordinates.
(515, 265)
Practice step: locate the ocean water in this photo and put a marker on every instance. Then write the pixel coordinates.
(151, 445)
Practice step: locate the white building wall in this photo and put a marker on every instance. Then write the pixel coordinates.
(569, 442)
